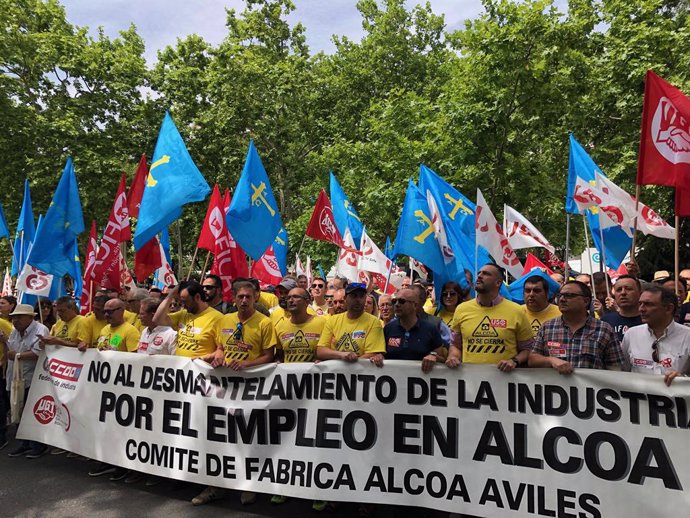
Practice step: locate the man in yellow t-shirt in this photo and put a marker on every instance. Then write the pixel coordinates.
(244, 338)
(490, 329)
(299, 335)
(537, 306)
(196, 324)
(93, 323)
(117, 335)
(354, 334)
(68, 329)
(281, 311)
(134, 298)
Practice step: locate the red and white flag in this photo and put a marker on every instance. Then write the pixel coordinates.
(146, 261)
(106, 271)
(648, 221)
(532, 262)
(348, 259)
(371, 258)
(266, 269)
(299, 267)
(521, 233)
(416, 266)
(164, 276)
(34, 281)
(136, 190)
(439, 230)
(89, 286)
(126, 279)
(490, 236)
(7, 284)
(592, 197)
(322, 223)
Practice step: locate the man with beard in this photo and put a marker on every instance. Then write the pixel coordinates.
(490, 329)
(537, 306)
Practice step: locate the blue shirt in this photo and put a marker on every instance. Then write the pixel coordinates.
(412, 344)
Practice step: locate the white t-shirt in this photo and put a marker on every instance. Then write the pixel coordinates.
(673, 347)
(162, 340)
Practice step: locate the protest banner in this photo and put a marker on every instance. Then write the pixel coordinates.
(472, 440)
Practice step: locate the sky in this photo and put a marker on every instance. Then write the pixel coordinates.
(161, 22)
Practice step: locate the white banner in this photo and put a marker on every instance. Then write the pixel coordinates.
(472, 440)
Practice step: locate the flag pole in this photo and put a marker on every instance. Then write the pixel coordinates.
(589, 256)
(40, 311)
(203, 272)
(567, 246)
(388, 278)
(603, 256)
(191, 266)
(302, 243)
(179, 250)
(637, 208)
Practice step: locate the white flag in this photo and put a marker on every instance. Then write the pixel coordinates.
(348, 259)
(416, 266)
(309, 272)
(164, 276)
(648, 221)
(588, 196)
(34, 281)
(490, 236)
(521, 233)
(299, 267)
(7, 284)
(439, 230)
(372, 259)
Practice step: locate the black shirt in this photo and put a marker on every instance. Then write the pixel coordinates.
(620, 324)
(414, 344)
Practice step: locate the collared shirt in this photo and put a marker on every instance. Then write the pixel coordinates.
(159, 340)
(411, 344)
(494, 302)
(673, 348)
(24, 343)
(593, 346)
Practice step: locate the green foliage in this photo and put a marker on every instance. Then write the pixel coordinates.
(488, 106)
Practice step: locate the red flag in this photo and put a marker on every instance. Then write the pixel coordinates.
(266, 269)
(90, 262)
(531, 262)
(106, 271)
(214, 223)
(136, 190)
(147, 260)
(229, 261)
(682, 202)
(552, 260)
(665, 135)
(322, 223)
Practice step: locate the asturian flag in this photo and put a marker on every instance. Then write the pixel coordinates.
(521, 233)
(490, 236)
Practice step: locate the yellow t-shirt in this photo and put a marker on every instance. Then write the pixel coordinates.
(196, 334)
(6, 327)
(491, 334)
(90, 329)
(71, 331)
(362, 336)
(446, 316)
(429, 307)
(123, 338)
(245, 341)
(537, 319)
(267, 300)
(133, 318)
(299, 341)
(279, 314)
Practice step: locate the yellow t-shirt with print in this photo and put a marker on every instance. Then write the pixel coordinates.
(491, 334)
(536, 320)
(71, 331)
(90, 329)
(123, 338)
(196, 333)
(279, 314)
(246, 340)
(446, 316)
(299, 341)
(6, 327)
(267, 300)
(362, 336)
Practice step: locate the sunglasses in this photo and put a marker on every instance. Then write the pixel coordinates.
(399, 301)
(111, 311)
(450, 294)
(328, 297)
(569, 296)
(655, 351)
(321, 286)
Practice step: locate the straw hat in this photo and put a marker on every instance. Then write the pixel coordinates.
(23, 309)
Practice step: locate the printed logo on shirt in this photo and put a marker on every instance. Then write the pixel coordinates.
(666, 363)
(536, 325)
(499, 322)
(485, 329)
(158, 340)
(346, 344)
(358, 335)
(394, 342)
(555, 348)
(642, 362)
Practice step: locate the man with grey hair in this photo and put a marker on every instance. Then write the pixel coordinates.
(161, 339)
(68, 329)
(133, 301)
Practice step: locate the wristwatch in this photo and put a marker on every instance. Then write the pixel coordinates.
(515, 360)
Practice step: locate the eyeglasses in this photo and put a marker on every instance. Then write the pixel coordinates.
(321, 286)
(400, 301)
(111, 311)
(655, 351)
(568, 296)
(207, 287)
(296, 297)
(328, 297)
(450, 294)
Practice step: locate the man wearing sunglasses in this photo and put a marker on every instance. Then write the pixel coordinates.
(318, 293)
(576, 340)
(660, 345)
(354, 334)
(490, 329)
(408, 337)
(213, 288)
(118, 335)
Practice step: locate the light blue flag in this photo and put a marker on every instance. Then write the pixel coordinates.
(253, 218)
(517, 287)
(4, 229)
(616, 240)
(321, 272)
(173, 181)
(457, 213)
(415, 236)
(165, 243)
(26, 231)
(344, 212)
(76, 272)
(388, 249)
(280, 248)
(53, 247)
